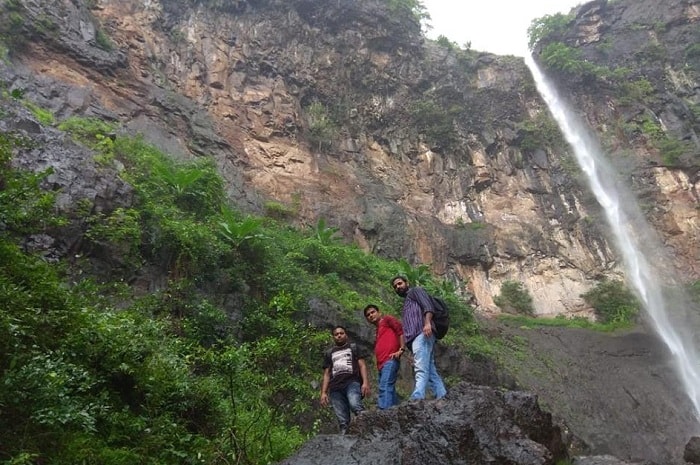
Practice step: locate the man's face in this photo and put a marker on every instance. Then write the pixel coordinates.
(400, 286)
(373, 315)
(339, 336)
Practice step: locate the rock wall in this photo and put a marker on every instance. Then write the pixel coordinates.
(434, 154)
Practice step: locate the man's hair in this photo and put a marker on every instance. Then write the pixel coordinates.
(368, 307)
(398, 276)
(336, 327)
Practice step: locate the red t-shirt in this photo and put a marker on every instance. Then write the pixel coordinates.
(389, 330)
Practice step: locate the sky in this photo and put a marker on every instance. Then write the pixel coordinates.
(496, 26)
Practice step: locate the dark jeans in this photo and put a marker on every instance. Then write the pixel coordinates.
(345, 401)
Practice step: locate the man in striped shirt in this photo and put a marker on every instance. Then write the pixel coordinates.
(419, 333)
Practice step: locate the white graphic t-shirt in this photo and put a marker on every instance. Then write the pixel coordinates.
(342, 362)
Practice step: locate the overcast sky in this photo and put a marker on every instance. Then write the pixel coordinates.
(497, 26)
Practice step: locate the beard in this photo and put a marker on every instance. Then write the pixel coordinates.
(402, 292)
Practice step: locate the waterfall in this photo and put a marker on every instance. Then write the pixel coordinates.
(631, 231)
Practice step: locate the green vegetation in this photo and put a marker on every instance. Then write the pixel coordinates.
(692, 56)
(561, 321)
(447, 43)
(613, 303)
(694, 291)
(559, 56)
(103, 41)
(44, 116)
(636, 91)
(322, 129)
(670, 149)
(540, 132)
(12, 33)
(547, 26)
(414, 7)
(216, 364)
(514, 296)
(435, 121)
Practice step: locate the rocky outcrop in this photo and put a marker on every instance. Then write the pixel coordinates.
(472, 425)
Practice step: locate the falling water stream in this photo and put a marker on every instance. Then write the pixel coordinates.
(631, 232)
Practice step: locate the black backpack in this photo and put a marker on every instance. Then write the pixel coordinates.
(441, 316)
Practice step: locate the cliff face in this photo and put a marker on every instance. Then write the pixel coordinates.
(638, 89)
(343, 110)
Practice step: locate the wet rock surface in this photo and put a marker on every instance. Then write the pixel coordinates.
(691, 454)
(614, 394)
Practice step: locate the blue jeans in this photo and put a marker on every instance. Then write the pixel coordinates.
(425, 372)
(387, 396)
(345, 401)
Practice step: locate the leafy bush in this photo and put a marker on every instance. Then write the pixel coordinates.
(414, 7)
(44, 116)
(447, 43)
(435, 121)
(636, 92)
(547, 26)
(564, 58)
(514, 296)
(539, 133)
(322, 129)
(612, 302)
(692, 56)
(694, 291)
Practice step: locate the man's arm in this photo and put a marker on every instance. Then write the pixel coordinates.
(396, 326)
(324, 386)
(365, 378)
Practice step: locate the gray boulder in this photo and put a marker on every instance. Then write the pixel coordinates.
(472, 425)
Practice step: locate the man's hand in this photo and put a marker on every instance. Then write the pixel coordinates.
(324, 399)
(365, 390)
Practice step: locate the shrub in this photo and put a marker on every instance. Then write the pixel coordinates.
(322, 129)
(672, 149)
(415, 7)
(636, 92)
(546, 26)
(539, 133)
(435, 121)
(514, 296)
(612, 302)
(44, 116)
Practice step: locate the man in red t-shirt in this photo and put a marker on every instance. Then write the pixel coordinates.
(388, 347)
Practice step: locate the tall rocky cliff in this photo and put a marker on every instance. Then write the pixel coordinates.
(415, 149)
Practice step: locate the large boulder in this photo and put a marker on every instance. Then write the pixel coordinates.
(471, 425)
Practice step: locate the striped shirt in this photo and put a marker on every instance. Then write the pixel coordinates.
(416, 303)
